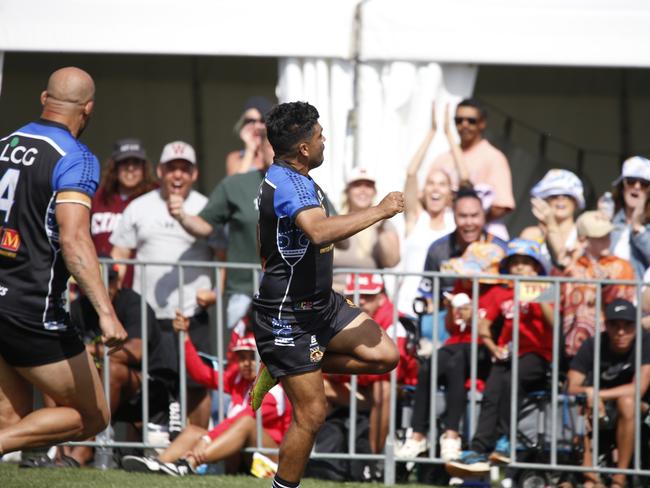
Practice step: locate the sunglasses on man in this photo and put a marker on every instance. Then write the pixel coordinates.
(469, 120)
(633, 181)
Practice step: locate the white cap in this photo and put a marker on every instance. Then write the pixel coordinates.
(360, 174)
(178, 150)
(635, 167)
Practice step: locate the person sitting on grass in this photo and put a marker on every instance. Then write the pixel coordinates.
(196, 446)
(617, 381)
(523, 258)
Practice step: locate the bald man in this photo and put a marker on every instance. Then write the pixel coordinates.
(47, 181)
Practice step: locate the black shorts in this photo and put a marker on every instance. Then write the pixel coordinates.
(199, 333)
(297, 346)
(25, 343)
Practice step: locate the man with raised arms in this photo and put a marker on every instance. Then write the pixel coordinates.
(302, 328)
(47, 181)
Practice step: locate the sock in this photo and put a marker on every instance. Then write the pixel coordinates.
(280, 483)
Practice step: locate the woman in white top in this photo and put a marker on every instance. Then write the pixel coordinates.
(555, 201)
(427, 218)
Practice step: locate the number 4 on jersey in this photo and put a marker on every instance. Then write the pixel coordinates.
(8, 184)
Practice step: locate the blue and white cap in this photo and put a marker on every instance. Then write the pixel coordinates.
(634, 167)
(560, 182)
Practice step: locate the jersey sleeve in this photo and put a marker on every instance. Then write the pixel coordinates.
(298, 193)
(77, 171)
(125, 234)
(198, 370)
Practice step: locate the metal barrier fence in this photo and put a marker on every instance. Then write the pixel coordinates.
(105, 442)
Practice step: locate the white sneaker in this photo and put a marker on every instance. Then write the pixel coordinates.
(449, 448)
(411, 448)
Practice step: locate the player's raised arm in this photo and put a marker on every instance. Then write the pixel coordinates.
(322, 229)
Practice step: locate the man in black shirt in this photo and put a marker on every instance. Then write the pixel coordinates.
(303, 328)
(617, 380)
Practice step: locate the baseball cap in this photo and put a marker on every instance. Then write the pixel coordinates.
(246, 343)
(128, 148)
(178, 150)
(560, 182)
(620, 309)
(593, 223)
(634, 167)
(524, 247)
(368, 284)
(360, 174)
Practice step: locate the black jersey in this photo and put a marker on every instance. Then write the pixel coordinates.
(36, 162)
(297, 277)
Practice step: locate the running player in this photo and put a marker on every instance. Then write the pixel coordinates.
(47, 181)
(303, 328)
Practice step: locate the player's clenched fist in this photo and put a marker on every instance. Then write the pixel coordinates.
(392, 204)
(175, 206)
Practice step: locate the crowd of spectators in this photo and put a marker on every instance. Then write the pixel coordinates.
(454, 223)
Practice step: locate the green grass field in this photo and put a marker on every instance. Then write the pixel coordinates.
(13, 477)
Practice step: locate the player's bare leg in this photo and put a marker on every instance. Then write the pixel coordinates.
(76, 389)
(182, 444)
(307, 396)
(361, 347)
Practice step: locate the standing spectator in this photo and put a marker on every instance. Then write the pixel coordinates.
(127, 175)
(374, 247)
(555, 200)
(374, 302)
(427, 218)
(470, 227)
(535, 353)
(593, 262)
(630, 237)
(486, 166)
(251, 129)
(617, 377)
(234, 203)
(147, 228)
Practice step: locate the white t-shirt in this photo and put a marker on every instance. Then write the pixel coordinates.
(414, 253)
(147, 227)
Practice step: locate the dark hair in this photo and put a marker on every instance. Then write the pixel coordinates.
(466, 192)
(109, 185)
(474, 103)
(288, 124)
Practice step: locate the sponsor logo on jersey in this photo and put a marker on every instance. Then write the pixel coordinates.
(304, 305)
(282, 332)
(10, 240)
(16, 154)
(3, 290)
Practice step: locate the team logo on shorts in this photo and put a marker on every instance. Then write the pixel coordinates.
(315, 354)
(282, 333)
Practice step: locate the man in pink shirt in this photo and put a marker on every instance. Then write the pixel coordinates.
(483, 166)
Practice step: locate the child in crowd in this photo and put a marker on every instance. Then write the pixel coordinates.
(196, 446)
(523, 258)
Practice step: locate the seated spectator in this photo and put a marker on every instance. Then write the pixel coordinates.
(250, 128)
(127, 175)
(373, 248)
(126, 363)
(555, 200)
(196, 445)
(630, 239)
(427, 218)
(617, 386)
(454, 357)
(592, 260)
(535, 352)
(486, 166)
(373, 301)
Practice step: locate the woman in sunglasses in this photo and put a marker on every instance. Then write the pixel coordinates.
(251, 129)
(630, 238)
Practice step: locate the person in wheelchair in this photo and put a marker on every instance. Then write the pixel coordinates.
(617, 381)
(523, 258)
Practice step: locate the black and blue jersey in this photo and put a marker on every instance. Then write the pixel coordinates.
(297, 278)
(38, 161)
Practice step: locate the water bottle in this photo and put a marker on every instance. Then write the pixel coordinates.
(104, 455)
(606, 205)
